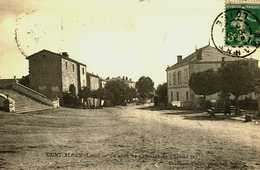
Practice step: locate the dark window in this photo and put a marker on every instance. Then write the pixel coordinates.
(177, 96)
(72, 89)
(66, 65)
(187, 96)
(73, 67)
(83, 71)
(171, 96)
(179, 77)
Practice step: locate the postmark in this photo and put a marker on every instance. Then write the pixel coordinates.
(236, 31)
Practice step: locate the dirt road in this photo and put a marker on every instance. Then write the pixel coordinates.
(126, 138)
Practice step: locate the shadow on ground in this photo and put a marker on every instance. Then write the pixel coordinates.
(205, 116)
(170, 110)
(192, 115)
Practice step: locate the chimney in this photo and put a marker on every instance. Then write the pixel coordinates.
(179, 58)
(65, 54)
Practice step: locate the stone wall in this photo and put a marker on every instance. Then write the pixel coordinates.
(33, 94)
(82, 76)
(5, 83)
(45, 74)
(69, 76)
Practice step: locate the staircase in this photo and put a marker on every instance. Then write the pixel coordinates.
(23, 103)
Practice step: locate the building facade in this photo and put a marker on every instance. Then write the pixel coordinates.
(128, 81)
(178, 75)
(93, 81)
(52, 74)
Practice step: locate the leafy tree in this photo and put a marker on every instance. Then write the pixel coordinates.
(145, 87)
(116, 92)
(238, 79)
(100, 93)
(85, 93)
(205, 83)
(161, 92)
(130, 94)
(257, 89)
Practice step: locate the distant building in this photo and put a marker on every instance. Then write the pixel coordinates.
(102, 82)
(52, 74)
(127, 80)
(93, 81)
(202, 59)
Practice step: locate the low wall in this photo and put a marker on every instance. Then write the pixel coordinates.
(35, 95)
(13, 84)
(10, 107)
(6, 83)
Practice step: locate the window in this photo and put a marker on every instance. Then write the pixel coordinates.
(171, 96)
(174, 78)
(186, 77)
(83, 71)
(179, 77)
(66, 65)
(187, 96)
(73, 67)
(177, 96)
(169, 79)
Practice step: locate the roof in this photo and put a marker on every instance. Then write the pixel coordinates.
(189, 58)
(56, 54)
(194, 57)
(93, 75)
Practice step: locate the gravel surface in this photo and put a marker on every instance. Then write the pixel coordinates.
(133, 137)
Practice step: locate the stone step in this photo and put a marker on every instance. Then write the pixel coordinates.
(31, 110)
(28, 104)
(23, 103)
(31, 107)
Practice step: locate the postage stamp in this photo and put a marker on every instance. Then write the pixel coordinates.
(242, 23)
(236, 31)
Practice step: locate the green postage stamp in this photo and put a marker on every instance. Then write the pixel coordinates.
(242, 23)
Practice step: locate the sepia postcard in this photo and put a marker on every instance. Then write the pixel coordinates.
(129, 85)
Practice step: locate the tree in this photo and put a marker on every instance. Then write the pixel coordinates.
(161, 92)
(116, 92)
(100, 93)
(205, 83)
(257, 89)
(238, 79)
(85, 93)
(145, 87)
(130, 94)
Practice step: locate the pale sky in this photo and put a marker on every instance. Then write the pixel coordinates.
(112, 37)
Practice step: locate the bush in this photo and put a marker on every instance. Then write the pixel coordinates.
(248, 103)
(70, 100)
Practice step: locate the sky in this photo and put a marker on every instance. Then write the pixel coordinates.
(131, 38)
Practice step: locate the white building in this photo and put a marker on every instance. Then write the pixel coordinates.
(178, 75)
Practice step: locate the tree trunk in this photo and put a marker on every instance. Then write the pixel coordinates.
(237, 105)
(258, 104)
(204, 102)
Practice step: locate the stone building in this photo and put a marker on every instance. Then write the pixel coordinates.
(93, 81)
(102, 82)
(178, 75)
(128, 81)
(52, 74)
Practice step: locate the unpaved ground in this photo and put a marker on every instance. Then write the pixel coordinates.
(126, 138)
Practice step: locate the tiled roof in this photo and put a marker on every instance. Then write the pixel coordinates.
(93, 75)
(192, 57)
(56, 54)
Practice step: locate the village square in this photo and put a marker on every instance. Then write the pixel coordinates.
(119, 94)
